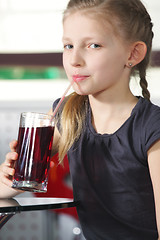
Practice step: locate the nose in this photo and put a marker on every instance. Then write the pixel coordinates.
(77, 60)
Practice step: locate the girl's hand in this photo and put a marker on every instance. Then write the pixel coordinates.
(7, 168)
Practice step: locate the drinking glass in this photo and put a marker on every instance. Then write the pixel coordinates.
(34, 149)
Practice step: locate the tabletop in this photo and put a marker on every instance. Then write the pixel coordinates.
(9, 207)
(19, 204)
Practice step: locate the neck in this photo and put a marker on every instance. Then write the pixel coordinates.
(109, 113)
(111, 100)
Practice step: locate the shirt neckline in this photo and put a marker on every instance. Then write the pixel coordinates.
(133, 112)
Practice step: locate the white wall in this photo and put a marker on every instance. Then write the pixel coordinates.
(31, 25)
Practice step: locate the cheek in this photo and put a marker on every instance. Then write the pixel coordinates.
(107, 72)
(101, 61)
(101, 68)
(109, 65)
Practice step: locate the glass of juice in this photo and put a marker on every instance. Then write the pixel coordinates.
(34, 149)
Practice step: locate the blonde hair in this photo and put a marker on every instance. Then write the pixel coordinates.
(131, 22)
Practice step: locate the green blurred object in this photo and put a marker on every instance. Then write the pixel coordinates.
(21, 73)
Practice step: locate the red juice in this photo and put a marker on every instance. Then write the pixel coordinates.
(34, 150)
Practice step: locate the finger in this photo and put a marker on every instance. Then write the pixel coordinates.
(10, 157)
(6, 181)
(4, 177)
(7, 170)
(13, 145)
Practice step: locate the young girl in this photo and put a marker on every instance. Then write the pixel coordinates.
(111, 137)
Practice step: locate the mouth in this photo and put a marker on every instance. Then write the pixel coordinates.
(78, 78)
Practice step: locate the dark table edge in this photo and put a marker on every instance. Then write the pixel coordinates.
(15, 209)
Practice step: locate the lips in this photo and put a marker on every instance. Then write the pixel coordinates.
(79, 78)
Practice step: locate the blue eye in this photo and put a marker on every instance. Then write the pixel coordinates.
(68, 46)
(94, 45)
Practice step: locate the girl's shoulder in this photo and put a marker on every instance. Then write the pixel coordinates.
(149, 115)
(147, 110)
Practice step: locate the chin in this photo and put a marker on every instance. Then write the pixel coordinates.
(79, 91)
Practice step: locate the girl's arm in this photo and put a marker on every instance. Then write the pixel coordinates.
(154, 167)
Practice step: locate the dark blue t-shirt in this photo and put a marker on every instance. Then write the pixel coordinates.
(111, 179)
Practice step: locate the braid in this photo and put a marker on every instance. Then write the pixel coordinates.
(144, 85)
(141, 27)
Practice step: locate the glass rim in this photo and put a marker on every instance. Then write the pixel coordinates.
(35, 114)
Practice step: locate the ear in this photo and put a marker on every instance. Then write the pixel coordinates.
(138, 52)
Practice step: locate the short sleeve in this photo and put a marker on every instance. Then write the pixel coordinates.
(152, 129)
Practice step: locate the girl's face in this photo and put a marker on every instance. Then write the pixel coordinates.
(93, 56)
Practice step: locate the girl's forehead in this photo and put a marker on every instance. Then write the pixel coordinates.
(82, 20)
(98, 22)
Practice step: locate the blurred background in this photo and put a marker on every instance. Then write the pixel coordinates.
(31, 78)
